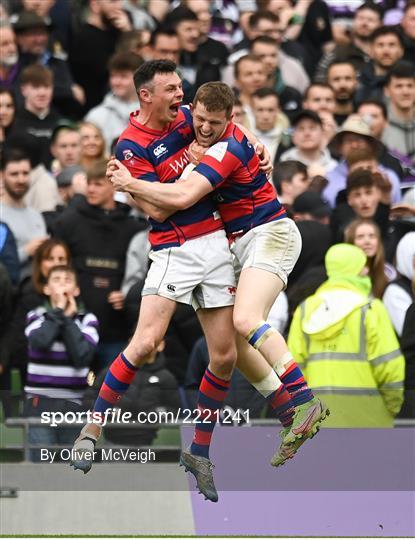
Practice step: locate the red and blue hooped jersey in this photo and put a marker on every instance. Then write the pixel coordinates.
(161, 156)
(243, 194)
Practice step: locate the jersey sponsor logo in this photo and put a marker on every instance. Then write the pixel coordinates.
(160, 150)
(171, 288)
(179, 164)
(218, 151)
(128, 154)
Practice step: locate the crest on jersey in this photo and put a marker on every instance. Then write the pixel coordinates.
(218, 151)
(128, 154)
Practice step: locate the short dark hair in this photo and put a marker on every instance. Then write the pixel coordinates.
(286, 170)
(378, 103)
(372, 6)
(246, 57)
(62, 127)
(63, 268)
(146, 72)
(359, 178)
(215, 96)
(161, 31)
(124, 61)
(268, 40)
(12, 154)
(36, 75)
(267, 15)
(384, 31)
(338, 62)
(401, 70)
(265, 92)
(178, 15)
(318, 84)
(360, 154)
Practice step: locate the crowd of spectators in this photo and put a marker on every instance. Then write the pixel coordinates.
(327, 86)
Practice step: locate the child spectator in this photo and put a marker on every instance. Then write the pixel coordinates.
(62, 339)
(50, 253)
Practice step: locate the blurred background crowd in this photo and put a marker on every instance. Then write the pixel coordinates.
(327, 85)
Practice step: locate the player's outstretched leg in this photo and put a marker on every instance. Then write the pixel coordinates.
(117, 380)
(155, 315)
(249, 314)
(219, 332)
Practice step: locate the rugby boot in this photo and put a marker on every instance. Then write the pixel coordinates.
(307, 418)
(83, 451)
(201, 468)
(286, 450)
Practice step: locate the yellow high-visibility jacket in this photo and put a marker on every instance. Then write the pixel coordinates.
(350, 356)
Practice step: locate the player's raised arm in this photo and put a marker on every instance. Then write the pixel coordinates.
(174, 197)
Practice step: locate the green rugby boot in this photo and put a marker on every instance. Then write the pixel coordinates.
(307, 418)
(287, 450)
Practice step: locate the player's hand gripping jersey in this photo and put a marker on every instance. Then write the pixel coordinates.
(161, 156)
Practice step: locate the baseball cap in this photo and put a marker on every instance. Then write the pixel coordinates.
(311, 202)
(306, 113)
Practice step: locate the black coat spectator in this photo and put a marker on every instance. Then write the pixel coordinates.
(93, 43)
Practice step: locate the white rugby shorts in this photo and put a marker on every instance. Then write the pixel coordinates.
(273, 246)
(198, 273)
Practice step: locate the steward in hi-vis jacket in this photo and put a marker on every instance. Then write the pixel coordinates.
(346, 345)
